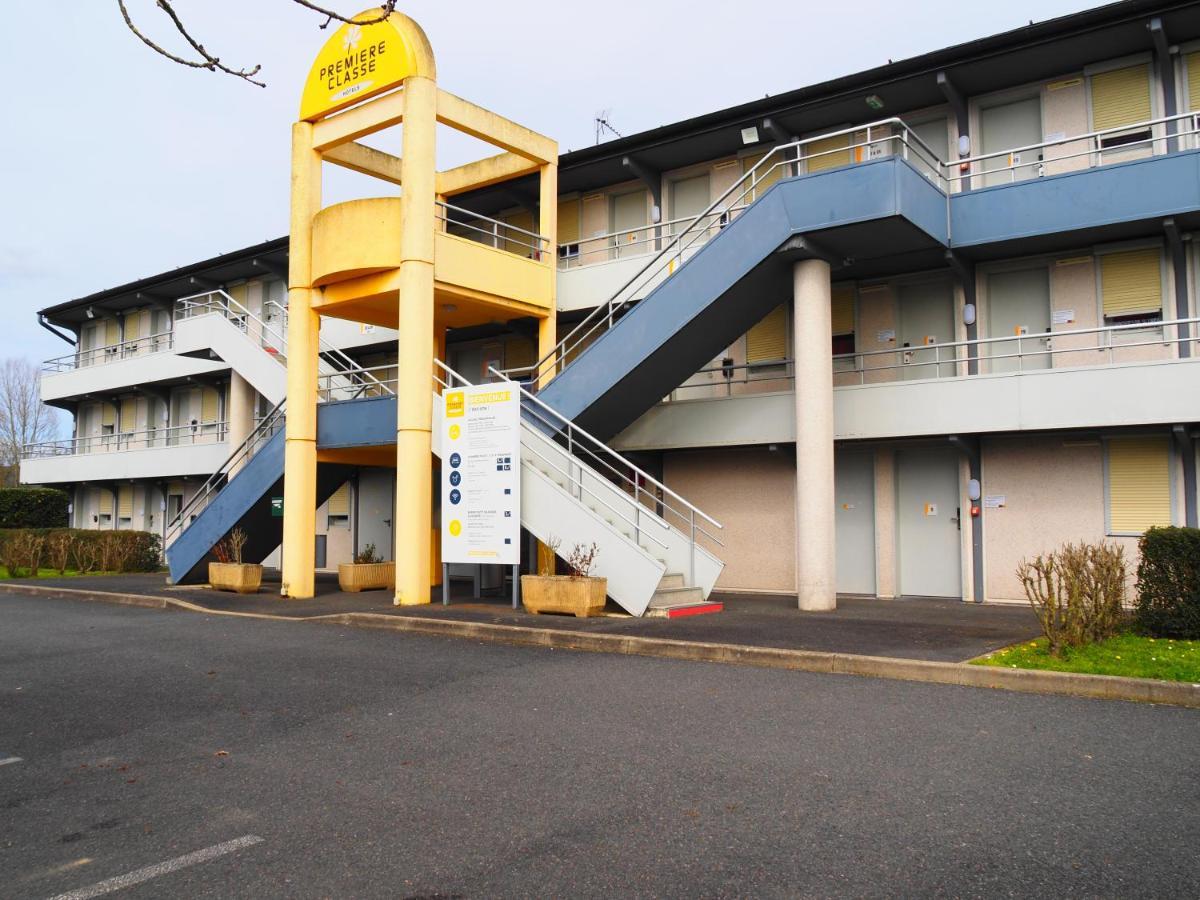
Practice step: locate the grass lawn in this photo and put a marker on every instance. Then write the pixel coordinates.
(42, 573)
(1130, 655)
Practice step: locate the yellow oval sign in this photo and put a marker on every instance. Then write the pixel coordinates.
(359, 61)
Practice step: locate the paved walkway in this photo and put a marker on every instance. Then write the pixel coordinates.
(939, 630)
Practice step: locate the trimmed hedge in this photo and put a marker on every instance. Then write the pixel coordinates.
(1168, 583)
(32, 507)
(84, 550)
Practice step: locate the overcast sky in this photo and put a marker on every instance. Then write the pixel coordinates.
(119, 164)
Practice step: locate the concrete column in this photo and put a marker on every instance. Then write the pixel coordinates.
(812, 350)
(240, 414)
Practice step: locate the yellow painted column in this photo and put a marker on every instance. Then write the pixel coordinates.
(435, 531)
(414, 395)
(548, 227)
(300, 448)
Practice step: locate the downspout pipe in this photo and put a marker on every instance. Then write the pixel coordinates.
(1187, 454)
(1166, 76)
(969, 446)
(1179, 269)
(62, 335)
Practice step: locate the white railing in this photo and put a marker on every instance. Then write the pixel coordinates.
(98, 356)
(1152, 137)
(492, 232)
(869, 141)
(1079, 348)
(123, 441)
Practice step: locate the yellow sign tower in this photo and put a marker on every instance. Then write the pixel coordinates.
(400, 262)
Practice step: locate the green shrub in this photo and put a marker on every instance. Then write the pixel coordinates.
(1077, 593)
(33, 508)
(1168, 584)
(86, 550)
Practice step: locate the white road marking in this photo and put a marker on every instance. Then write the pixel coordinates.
(138, 876)
(10, 759)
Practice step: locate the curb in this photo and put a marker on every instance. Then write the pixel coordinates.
(1029, 681)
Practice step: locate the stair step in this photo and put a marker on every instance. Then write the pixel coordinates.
(677, 596)
(689, 609)
(671, 580)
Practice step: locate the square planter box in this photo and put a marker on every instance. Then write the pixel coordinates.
(580, 597)
(244, 578)
(355, 577)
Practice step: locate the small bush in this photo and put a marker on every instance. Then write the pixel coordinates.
(1168, 585)
(33, 508)
(1076, 593)
(85, 550)
(368, 556)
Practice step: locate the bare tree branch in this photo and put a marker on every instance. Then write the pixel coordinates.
(213, 63)
(24, 419)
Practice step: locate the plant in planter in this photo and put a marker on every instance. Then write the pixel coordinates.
(577, 594)
(368, 572)
(229, 573)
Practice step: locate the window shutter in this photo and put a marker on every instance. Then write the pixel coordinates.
(108, 416)
(1131, 282)
(1139, 484)
(519, 352)
(125, 501)
(128, 414)
(208, 405)
(1120, 97)
(767, 175)
(841, 313)
(827, 160)
(767, 341)
(515, 241)
(339, 503)
(568, 221)
(106, 502)
(1193, 81)
(175, 487)
(112, 332)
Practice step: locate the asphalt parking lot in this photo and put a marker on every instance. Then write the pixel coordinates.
(170, 754)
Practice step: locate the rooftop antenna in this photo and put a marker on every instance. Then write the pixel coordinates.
(603, 123)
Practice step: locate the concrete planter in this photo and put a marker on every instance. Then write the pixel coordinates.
(355, 577)
(244, 578)
(580, 597)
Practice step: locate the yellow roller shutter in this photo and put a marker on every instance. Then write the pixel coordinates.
(568, 221)
(820, 156)
(766, 176)
(519, 352)
(125, 501)
(1121, 97)
(108, 415)
(767, 341)
(106, 502)
(339, 503)
(841, 312)
(128, 414)
(1193, 81)
(1139, 484)
(515, 241)
(175, 487)
(208, 405)
(1131, 282)
(112, 332)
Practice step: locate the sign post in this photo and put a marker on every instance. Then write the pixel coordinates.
(481, 475)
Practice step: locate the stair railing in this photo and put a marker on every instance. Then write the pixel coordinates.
(781, 159)
(573, 474)
(263, 432)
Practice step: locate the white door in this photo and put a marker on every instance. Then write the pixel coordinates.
(926, 317)
(689, 198)
(1011, 126)
(629, 217)
(934, 135)
(927, 519)
(1019, 308)
(376, 508)
(854, 517)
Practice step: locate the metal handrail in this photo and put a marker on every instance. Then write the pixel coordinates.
(672, 254)
(150, 343)
(611, 243)
(267, 428)
(948, 353)
(967, 165)
(120, 441)
(531, 240)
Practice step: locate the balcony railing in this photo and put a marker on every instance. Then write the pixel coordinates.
(492, 232)
(1012, 354)
(124, 441)
(98, 356)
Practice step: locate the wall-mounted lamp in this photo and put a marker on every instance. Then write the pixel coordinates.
(874, 101)
(969, 314)
(90, 313)
(750, 135)
(973, 490)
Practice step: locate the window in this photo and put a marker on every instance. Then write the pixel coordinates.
(568, 229)
(1139, 484)
(841, 318)
(1121, 97)
(766, 342)
(338, 508)
(1131, 286)
(125, 504)
(768, 173)
(827, 153)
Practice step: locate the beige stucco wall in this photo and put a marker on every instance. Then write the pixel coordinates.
(751, 492)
